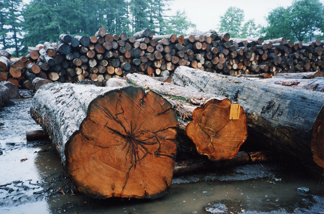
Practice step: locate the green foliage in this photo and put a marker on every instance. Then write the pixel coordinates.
(250, 29)
(178, 24)
(231, 21)
(300, 21)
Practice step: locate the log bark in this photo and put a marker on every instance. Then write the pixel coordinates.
(13, 89)
(292, 119)
(113, 142)
(4, 64)
(302, 75)
(205, 118)
(316, 84)
(4, 95)
(38, 82)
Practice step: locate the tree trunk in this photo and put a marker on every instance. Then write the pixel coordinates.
(292, 119)
(113, 142)
(205, 118)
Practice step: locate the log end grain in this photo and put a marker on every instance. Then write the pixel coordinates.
(214, 133)
(120, 151)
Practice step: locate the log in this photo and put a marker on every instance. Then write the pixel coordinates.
(38, 82)
(5, 54)
(113, 142)
(242, 158)
(4, 95)
(12, 89)
(36, 135)
(206, 118)
(291, 119)
(4, 64)
(142, 34)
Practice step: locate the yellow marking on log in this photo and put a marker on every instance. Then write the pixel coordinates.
(235, 111)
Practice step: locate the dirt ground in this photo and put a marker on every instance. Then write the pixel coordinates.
(33, 181)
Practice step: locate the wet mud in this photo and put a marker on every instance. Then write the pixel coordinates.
(32, 181)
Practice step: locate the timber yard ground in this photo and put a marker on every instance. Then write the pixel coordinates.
(32, 181)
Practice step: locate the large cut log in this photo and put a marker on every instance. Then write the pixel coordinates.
(292, 119)
(205, 118)
(112, 142)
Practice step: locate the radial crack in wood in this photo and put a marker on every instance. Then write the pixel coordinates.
(113, 142)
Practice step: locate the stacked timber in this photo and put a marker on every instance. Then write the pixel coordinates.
(102, 56)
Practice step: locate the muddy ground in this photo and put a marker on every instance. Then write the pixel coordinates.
(32, 181)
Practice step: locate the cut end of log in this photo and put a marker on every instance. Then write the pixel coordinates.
(214, 133)
(317, 143)
(127, 142)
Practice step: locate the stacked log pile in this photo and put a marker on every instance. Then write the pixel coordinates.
(104, 55)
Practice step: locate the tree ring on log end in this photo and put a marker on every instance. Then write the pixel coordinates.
(317, 144)
(214, 134)
(125, 147)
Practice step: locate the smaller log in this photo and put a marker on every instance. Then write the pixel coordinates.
(5, 54)
(101, 32)
(33, 68)
(4, 64)
(142, 34)
(4, 95)
(66, 38)
(38, 82)
(13, 91)
(36, 135)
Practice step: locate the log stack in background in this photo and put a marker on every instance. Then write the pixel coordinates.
(104, 55)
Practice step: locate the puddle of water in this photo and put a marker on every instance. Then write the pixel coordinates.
(38, 184)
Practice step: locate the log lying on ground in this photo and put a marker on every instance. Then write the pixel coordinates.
(206, 118)
(292, 119)
(242, 158)
(36, 135)
(112, 142)
(4, 95)
(38, 82)
(13, 89)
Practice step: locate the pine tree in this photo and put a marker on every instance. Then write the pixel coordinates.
(138, 10)
(14, 22)
(3, 20)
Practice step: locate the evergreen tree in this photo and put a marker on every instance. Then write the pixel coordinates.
(14, 22)
(250, 29)
(139, 10)
(231, 21)
(3, 20)
(179, 24)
